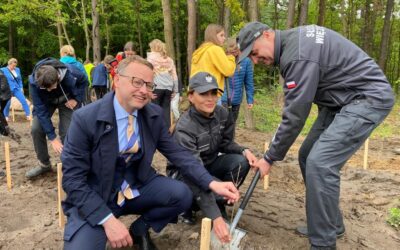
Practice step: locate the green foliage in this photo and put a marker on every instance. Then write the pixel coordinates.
(394, 217)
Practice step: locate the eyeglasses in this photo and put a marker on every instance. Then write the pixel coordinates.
(52, 87)
(138, 83)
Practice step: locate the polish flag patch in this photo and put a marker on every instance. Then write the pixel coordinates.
(291, 85)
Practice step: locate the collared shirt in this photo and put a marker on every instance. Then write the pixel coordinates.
(122, 124)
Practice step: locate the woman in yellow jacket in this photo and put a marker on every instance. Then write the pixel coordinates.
(210, 57)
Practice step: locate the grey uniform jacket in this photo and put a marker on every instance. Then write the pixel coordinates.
(321, 66)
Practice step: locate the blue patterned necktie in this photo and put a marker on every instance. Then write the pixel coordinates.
(131, 148)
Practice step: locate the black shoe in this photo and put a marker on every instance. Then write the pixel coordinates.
(143, 242)
(2, 173)
(187, 218)
(303, 231)
(322, 248)
(222, 209)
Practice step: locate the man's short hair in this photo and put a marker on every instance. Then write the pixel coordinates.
(133, 59)
(46, 76)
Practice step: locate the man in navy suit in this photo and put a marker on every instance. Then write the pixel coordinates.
(94, 169)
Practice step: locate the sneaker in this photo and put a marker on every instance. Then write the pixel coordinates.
(303, 231)
(39, 170)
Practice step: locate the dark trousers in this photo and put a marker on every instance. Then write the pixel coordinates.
(227, 167)
(3, 121)
(100, 91)
(160, 202)
(333, 139)
(164, 101)
(39, 136)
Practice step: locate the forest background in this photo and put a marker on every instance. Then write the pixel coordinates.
(34, 29)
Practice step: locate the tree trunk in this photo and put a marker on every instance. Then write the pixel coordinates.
(177, 44)
(96, 33)
(321, 10)
(253, 10)
(168, 29)
(86, 30)
(59, 26)
(385, 35)
(227, 23)
(107, 29)
(291, 14)
(303, 13)
(191, 44)
(343, 17)
(221, 11)
(11, 40)
(248, 113)
(62, 22)
(139, 27)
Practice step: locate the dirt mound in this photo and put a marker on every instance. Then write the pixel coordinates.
(28, 213)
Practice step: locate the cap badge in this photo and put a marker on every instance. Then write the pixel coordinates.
(257, 34)
(209, 79)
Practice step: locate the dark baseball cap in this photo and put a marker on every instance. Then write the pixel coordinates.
(248, 35)
(202, 82)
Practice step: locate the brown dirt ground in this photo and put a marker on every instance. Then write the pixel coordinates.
(29, 217)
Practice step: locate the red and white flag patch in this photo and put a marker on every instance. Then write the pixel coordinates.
(291, 85)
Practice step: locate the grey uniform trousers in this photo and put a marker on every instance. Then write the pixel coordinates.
(335, 136)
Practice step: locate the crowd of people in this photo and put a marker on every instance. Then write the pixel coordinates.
(107, 146)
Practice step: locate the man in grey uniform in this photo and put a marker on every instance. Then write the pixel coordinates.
(353, 97)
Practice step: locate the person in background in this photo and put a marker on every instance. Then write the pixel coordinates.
(101, 81)
(129, 50)
(206, 130)
(107, 170)
(53, 85)
(243, 78)
(67, 56)
(176, 101)
(14, 79)
(89, 66)
(210, 57)
(165, 77)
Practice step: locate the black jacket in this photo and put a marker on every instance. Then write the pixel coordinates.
(5, 92)
(204, 136)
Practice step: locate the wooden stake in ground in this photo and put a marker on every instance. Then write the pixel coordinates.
(366, 146)
(266, 178)
(61, 218)
(205, 234)
(13, 114)
(8, 164)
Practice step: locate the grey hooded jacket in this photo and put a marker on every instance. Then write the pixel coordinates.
(320, 66)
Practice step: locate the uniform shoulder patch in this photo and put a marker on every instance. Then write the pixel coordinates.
(291, 85)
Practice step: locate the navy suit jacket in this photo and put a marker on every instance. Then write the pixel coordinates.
(90, 154)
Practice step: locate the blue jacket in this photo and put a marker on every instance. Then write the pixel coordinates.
(243, 76)
(73, 84)
(100, 76)
(90, 156)
(14, 83)
(72, 60)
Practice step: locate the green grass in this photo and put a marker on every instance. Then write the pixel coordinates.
(267, 112)
(394, 217)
